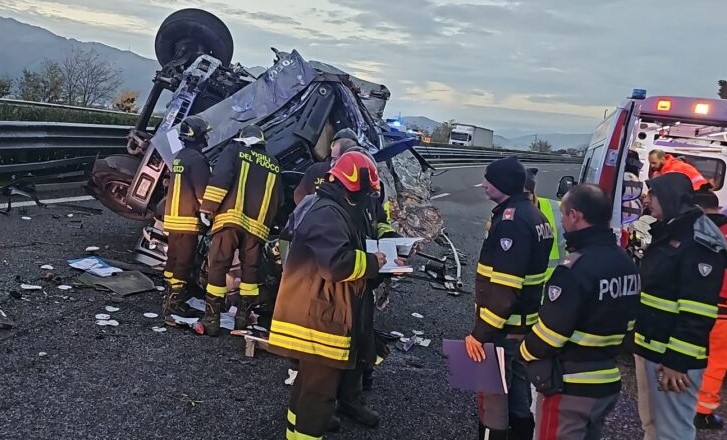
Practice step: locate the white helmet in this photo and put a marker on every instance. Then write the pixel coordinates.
(632, 187)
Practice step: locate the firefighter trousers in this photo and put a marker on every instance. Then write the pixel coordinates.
(181, 251)
(312, 400)
(708, 397)
(350, 389)
(221, 255)
(566, 417)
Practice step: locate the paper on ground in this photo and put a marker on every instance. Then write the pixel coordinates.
(227, 320)
(94, 266)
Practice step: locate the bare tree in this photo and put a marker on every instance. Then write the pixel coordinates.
(541, 146)
(88, 79)
(441, 133)
(43, 86)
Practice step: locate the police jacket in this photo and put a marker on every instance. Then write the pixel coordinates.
(721, 221)
(589, 304)
(317, 313)
(681, 274)
(190, 172)
(511, 269)
(244, 191)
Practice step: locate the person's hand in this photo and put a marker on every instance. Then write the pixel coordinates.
(381, 258)
(400, 262)
(672, 380)
(205, 218)
(475, 350)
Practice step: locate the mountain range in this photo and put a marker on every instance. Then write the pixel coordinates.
(558, 140)
(27, 47)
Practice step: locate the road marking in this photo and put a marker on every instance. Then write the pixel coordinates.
(49, 201)
(439, 196)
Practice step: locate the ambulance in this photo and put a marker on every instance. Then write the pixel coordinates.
(688, 128)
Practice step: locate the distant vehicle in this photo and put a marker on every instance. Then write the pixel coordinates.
(690, 128)
(471, 136)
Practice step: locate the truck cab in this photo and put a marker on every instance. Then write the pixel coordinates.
(688, 128)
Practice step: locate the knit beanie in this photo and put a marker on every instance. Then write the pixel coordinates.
(507, 175)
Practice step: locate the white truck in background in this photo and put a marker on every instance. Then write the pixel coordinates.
(468, 135)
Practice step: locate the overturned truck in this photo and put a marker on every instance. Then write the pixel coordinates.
(299, 105)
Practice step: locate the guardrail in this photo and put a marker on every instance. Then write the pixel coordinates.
(33, 146)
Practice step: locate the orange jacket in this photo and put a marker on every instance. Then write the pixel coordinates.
(673, 165)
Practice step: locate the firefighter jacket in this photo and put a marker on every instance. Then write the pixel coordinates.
(511, 269)
(189, 175)
(721, 221)
(551, 211)
(317, 313)
(589, 304)
(681, 274)
(245, 190)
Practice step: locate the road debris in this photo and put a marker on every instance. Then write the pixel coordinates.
(102, 317)
(150, 315)
(159, 329)
(417, 315)
(93, 249)
(112, 309)
(292, 374)
(94, 266)
(42, 354)
(121, 283)
(64, 287)
(26, 218)
(30, 287)
(160, 288)
(46, 267)
(397, 334)
(5, 322)
(109, 322)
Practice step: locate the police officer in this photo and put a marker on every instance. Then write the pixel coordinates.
(243, 195)
(551, 210)
(681, 274)
(315, 174)
(318, 314)
(508, 289)
(190, 172)
(589, 305)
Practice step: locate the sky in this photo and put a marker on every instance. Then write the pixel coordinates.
(518, 67)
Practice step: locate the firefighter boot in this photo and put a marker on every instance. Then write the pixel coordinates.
(210, 322)
(175, 303)
(243, 313)
(359, 412)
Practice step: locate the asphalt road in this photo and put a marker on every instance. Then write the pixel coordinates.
(64, 377)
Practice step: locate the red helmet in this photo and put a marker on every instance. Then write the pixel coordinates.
(349, 170)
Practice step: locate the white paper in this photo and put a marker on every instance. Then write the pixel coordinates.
(174, 143)
(403, 244)
(227, 320)
(387, 248)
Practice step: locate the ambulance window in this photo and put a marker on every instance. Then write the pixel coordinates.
(712, 169)
(593, 165)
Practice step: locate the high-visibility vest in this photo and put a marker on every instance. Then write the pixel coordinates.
(551, 211)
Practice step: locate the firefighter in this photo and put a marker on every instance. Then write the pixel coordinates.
(708, 398)
(681, 274)
(661, 163)
(243, 196)
(589, 305)
(190, 172)
(508, 286)
(317, 318)
(315, 174)
(551, 210)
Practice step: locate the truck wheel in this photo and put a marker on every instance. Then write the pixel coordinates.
(193, 30)
(110, 181)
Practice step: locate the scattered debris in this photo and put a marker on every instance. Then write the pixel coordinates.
(42, 354)
(159, 329)
(70, 216)
(112, 309)
(30, 287)
(65, 287)
(292, 374)
(5, 322)
(105, 322)
(26, 218)
(417, 332)
(94, 266)
(186, 399)
(423, 342)
(46, 267)
(160, 288)
(92, 249)
(121, 283)
(103, 317)
(150, 315)
(397, 334)
(417, 315)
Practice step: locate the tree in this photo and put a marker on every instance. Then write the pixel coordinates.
(6, 86)
(541, 146)
(126, 101)
(441, 133)
(43, 86)
(722, 88)
(88, 79)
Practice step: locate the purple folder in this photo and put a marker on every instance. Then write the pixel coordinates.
(487, 376)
